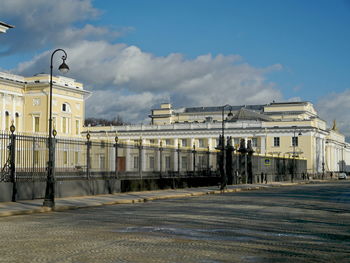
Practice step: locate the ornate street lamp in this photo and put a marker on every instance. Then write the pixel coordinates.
(294, 142)
(222, 142)
(50, 181)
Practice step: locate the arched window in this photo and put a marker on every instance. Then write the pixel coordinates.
(17, 121)
(7, 121)
(66, 107)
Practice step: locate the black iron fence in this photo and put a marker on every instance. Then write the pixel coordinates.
(24, 158)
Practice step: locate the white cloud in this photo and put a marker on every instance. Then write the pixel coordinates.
(131, 107)
(205, 80)
(336, 106)
(42, 23)
(125, 80)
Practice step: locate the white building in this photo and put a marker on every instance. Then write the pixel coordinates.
(291, 129)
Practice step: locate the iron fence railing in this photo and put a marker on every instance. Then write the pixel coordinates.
(25, 158)
(85, 159)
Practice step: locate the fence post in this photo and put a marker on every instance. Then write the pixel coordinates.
(88, 146)
(178, 159)
(33, 169)
(140, 158)
(229, 151)
(194, 159)
(116, 157)
(12, 159)
(88, 162)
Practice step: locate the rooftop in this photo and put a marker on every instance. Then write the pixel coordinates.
(219, 108)
(4, 27)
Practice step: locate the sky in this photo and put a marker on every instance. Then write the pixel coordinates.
(135, 54)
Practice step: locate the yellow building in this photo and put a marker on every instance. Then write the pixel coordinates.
(24, 101)
(287, 129)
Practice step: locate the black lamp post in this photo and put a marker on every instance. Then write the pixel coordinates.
(12, 149)
(222, 142)
(342, 159)
(294, 142)
(50, 181)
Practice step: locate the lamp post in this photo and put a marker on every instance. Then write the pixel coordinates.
(294, 142)
(12, 152)
(222, 141)
(343, 167)
(49, 200)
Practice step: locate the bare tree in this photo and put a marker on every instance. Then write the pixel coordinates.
(116, 121)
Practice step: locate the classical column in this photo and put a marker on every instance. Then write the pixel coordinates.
(3, 111)
(192, 142)
(175, 155)
(13, 114)
(262, 145)
(143, 156)
(158, 156)
(128, 159)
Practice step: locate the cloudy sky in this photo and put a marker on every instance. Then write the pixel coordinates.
(136, 54)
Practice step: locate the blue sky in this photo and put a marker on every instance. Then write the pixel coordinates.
(311, 39)
(193, 52)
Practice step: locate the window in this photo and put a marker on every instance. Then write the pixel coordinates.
(76, 157)
(7, 121)
(294, 141)
(151, 141)
(102, 162)
(276, 141)
(77, 127)
(167, 162)
(236, 141)
(65, 157)
(201, 143)
(184, 162)
(136, 162)
(151, 162)
(167, 142)
(201, 161)
(17, 120)
(184, 143)
(66, 107)
(255, 142)
(36, 157)
(36, 124)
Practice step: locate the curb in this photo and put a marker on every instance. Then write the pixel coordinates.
(61, 208)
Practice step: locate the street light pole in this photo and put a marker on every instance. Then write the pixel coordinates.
(294, 142)
(49, 200)
(223, 155)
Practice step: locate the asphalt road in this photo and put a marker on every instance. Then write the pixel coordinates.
(305, 223)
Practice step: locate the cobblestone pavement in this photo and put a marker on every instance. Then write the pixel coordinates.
(306, 223)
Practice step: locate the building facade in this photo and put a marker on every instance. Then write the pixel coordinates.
(24, 102)
(289, 130)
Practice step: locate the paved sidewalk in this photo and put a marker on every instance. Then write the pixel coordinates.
(35, 206)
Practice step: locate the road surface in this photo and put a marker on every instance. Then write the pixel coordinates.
(305, 223)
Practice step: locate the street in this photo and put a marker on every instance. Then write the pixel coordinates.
(303, 223)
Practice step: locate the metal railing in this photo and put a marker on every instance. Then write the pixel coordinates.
(24, 158)
(85, 159)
